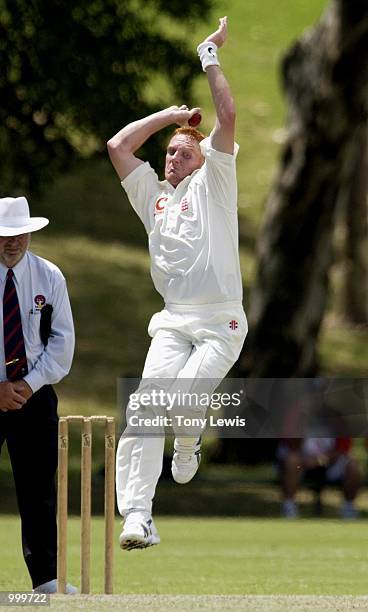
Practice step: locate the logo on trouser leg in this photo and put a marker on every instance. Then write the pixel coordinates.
(233, 324)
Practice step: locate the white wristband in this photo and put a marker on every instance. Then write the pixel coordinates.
(207, 52)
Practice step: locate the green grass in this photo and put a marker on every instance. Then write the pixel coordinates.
(218, 557)
(101, 247)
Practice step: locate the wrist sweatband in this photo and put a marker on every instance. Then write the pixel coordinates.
(207, 52)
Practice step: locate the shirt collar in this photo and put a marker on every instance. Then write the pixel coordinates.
(18, 270)
(184, 183)
(167, 187)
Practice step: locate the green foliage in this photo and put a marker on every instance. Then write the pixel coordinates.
(73, 72)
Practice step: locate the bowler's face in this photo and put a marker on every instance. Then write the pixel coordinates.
(182, 158)
(13, 248)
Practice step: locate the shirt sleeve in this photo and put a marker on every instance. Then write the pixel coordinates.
(220, 172)
(56, 359)
(141, 186)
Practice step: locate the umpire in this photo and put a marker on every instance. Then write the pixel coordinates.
(36, 351)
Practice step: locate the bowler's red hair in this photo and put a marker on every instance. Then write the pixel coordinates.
(190, 131)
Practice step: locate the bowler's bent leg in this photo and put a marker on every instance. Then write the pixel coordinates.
(139, 457)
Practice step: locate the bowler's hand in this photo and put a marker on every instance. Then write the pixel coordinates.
(10, 398)
(220, 35)
(23, 389)
(182, 114)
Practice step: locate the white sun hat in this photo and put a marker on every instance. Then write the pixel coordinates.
(15, 218)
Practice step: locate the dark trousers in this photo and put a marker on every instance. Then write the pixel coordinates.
(32, 440)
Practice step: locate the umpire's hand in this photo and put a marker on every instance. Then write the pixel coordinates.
(10, 399)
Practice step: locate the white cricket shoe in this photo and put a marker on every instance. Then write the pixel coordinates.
(138, 532)
(185, 461)
(50, 588)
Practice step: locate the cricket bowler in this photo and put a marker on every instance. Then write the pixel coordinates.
(192, 226)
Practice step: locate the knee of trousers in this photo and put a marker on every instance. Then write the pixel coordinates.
(142, 419)
(234, 347)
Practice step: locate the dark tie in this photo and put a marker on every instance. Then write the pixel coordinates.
(15, 352)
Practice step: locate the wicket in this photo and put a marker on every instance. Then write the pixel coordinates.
(62, 499)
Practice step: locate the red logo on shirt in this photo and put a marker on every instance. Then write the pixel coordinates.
(233, 324)
(160, 205)
(184, 205)
(40, 301)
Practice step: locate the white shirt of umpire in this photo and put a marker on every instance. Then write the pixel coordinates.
(193, 229)
(39, 281)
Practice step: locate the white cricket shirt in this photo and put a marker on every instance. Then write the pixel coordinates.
(192, 230)
(39, 282)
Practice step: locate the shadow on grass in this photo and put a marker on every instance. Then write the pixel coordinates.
(90, 201)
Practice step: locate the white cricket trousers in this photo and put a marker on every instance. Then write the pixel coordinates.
(188, 342)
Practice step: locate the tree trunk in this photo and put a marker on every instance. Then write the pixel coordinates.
(325, 77)
(356, 245)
